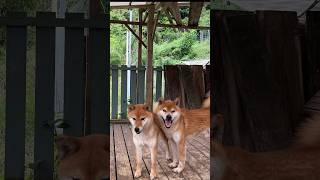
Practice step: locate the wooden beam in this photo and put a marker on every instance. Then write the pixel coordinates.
(149, 78)
(155, 24)
(134, 33)
(169, 18)
(130, 6)
(174, 9)
(160, 25)
(195, 13)
(139, 43)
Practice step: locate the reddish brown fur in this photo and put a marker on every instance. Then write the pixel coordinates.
(190, 122)
(86, 157)
(299, 162)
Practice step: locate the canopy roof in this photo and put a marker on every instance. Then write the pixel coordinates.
(284, 5)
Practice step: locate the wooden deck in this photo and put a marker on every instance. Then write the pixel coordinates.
(313, 105)
(122, 157)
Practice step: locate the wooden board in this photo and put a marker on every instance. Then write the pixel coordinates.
(124, 169)
(113, 170)
(312, 62)
(197, 164)
(254, 76)
(131, 151)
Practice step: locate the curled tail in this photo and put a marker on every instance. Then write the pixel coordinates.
(309, 133)
(206, 103)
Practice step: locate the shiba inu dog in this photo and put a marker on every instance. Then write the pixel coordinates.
(146, 131)
(84, 158)
(301, 161)
(178, 123)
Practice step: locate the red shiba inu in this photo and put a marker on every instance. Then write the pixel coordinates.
(301, 161)
(146, 131)
(178, 123)
(84, 158)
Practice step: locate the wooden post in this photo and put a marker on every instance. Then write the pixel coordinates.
(93, 11)
(149, 85)
(139, 43)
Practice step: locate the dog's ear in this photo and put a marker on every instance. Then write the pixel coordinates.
(66, 145)
(160, 100)
(177, 101)
(146, 107)
(131, 107)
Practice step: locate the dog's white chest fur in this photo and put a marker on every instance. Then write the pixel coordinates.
(175, 135)
(142, 139)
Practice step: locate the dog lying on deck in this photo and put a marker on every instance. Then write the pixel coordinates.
(178, 123)
(301, 161)
(83, 158)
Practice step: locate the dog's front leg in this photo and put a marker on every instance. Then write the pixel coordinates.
(174, 151)
(138, 161)
(182, 156)
(153, 173)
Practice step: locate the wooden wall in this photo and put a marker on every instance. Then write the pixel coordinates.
(187, 83)
(257, 80)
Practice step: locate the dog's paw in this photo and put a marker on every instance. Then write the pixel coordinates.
(177, 169)
(153, 175)
(137, 173)
(168, 158)
(173, 164)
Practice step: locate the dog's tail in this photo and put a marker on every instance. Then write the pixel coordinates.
(309, 133)
(206, 103)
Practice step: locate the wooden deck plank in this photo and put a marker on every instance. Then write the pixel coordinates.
(197, 164)
(199, 147)
(205, 141)
(147, 157)
(131, 151)
(164, 164)
(112, 157)
(123, 165)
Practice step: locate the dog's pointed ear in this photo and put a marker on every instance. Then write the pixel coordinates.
(146, 107)
(177, 101)
(131, 107)
(66, 145)
(160, 100)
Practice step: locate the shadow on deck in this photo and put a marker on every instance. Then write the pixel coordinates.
(122, 157)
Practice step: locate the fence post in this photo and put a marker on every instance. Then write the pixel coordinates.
(74, 74)
(141, 84)
(124, 91)
(114, 72)
(15, 100)
(133, 86)
(158, 82)
(44, 99)
(98, 79)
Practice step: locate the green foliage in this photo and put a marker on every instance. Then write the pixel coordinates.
(171, 46)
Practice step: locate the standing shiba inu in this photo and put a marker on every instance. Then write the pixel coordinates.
(145, 131)
(178, 123)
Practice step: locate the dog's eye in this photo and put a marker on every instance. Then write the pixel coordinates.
(134, 118)
(142, 119)
(173, 111)
(164, 110)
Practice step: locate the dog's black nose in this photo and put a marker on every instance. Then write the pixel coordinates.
(136, 130)
(169, 117)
